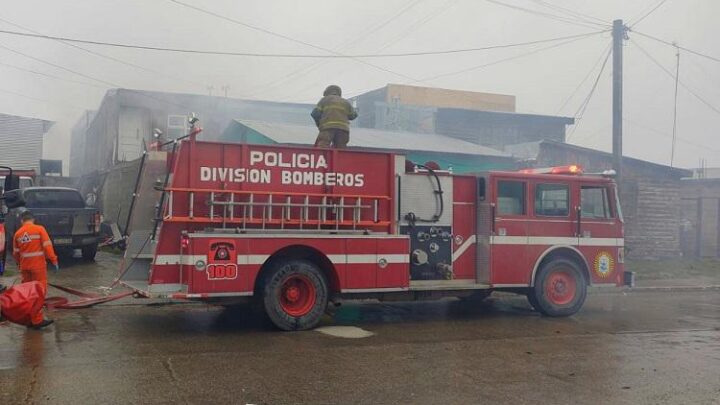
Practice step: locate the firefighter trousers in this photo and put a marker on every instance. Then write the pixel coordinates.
(337, 138)
(39, 275)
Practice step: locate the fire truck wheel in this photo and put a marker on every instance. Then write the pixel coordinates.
(295, 295)
(560, 288)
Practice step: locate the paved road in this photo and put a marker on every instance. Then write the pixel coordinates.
(636, 348)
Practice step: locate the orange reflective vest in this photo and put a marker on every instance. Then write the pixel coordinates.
(31, 247)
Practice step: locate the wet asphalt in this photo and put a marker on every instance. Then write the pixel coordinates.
(622, 348)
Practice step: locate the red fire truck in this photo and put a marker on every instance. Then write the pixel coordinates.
(297, 228)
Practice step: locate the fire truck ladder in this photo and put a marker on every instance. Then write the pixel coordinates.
(273, 210)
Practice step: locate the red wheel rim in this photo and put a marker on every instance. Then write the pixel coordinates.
(560, 287)
(297, 295)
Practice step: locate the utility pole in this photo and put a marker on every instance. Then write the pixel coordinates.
(619, 34)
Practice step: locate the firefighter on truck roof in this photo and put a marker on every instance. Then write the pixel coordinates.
(32, 248)
(332, 116)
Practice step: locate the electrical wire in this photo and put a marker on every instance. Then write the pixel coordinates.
(108, 83)
(669, 73)
(572, 13)
(587, 76)
(50, 76)
(652, 10)
(292, 55)
(674, 132)
(548, 15)
(418, 24)
(674, 45)
(58, 66)
(103, 56)
(683, 140)
(45, 101)
(523, 55)
(307, 69)
(580, 113)
(291, 39)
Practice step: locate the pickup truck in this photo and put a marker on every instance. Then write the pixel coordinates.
(62, 211)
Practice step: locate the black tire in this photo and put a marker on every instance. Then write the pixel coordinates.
(310, 302)
(89, 252)
(560, 289)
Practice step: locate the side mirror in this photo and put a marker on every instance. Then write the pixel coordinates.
(14, 199)
(12, 182)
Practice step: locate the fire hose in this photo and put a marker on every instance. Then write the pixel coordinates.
(86, 300)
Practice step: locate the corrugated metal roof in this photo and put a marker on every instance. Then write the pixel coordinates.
(21, 141)
(373, 138)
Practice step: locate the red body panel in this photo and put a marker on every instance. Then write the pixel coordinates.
(464, 224)
(231, 207)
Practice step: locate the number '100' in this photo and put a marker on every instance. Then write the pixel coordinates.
(221, 271)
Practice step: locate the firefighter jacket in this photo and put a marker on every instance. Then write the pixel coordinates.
(31, 247)
(333, 112)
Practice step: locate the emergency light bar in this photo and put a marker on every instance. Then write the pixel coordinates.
(569, 169)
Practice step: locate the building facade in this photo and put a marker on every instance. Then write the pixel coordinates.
(650, 194)
(126, 120)
(700, 218)
(21, 141)
(481, 118)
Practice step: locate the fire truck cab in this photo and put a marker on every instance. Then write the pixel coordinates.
(296, 228)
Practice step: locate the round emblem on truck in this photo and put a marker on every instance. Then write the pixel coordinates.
(604, 264)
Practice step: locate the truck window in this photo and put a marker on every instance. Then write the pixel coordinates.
(53, 199)
(552, 200)
(594, 202)
(511, 197)
(25, 182)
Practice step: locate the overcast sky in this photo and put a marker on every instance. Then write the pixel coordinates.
(542, 80)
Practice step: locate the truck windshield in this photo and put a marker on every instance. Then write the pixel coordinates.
(53, 199)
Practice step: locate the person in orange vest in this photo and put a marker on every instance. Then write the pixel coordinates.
(31, 249)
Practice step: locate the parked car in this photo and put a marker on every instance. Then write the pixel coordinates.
(62, 211)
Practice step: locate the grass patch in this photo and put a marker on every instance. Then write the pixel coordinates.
(673, 268)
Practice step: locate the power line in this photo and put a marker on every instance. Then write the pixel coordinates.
(674, 132)
(417, 24)
(49, 75)
(110, 84)
(583, 17)
(465, 70)
(548, 15)
(289, 55)
(652, 10)
(574, 39)
(305, 70)
(587, 76)
(674, 45)
(295, 40)
(686, 87)
(58, 66)
(683, 140)
(100, 55)
(42, 100)
(580, 113)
